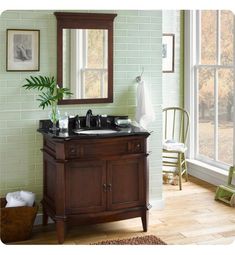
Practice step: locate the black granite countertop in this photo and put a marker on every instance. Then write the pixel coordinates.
(130, 130)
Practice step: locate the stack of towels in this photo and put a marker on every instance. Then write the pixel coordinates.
(172, 145)
(20, 198)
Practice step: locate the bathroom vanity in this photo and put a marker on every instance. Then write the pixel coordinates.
(94, 177)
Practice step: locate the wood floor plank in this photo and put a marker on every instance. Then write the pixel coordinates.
(228, 234)
(222, 240)
(208, 230)
(191, 240)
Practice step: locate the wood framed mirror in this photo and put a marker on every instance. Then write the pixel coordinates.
(85, 56)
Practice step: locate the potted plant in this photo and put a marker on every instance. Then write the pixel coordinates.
(51, 93)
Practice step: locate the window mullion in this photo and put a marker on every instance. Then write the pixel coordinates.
(216, 114)
(84, 59)
(198, 38)
(105, 49)
(102, 83)
(86, 48)
(234, 90)
(196, 91)
(216, 89)
(218, 38)
(196, 105)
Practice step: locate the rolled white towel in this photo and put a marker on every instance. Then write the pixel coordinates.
(14, 201)
(15, 194)
(28, 197)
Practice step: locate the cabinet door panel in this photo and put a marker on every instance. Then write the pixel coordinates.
(126, 182)
(84, 186)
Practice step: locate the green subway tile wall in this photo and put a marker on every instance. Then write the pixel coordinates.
(137, 44)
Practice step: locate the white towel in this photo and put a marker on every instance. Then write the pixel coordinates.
(20, 198)
(171, 145)
(14, 201)
(28, 197)
(15, 194)
(144, 110)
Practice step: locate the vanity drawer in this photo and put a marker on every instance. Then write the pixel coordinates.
(97, 147)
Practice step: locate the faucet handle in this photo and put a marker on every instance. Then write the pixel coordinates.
(89, 112)
(77, 122)
(98, 121)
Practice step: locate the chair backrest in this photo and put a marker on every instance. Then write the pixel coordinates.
(231, 175)
(175, 124)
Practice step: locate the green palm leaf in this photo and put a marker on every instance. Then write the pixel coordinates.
(50, 93)
(39, 83)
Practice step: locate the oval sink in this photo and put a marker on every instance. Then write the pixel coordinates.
(95, 132)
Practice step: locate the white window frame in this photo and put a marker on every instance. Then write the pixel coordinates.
(192, 40)
(79, 63)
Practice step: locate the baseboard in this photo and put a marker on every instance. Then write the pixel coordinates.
(38, 220)
(158, 204)
(207, 173)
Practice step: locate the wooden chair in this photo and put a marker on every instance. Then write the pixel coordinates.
(226, 193)
(175, 128)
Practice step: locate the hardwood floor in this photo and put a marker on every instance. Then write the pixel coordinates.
(190, 216)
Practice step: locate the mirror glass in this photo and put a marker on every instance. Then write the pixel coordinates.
(85, 63)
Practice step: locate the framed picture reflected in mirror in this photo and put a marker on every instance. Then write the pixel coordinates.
(168, 53)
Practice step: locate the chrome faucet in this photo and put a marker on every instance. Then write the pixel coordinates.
(88, 118)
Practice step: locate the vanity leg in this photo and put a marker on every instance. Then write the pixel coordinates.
(44, 218)
(145, 219)
(60, 231)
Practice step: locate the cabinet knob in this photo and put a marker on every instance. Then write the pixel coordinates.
(104, 187)
(72, 150)
(109, 187)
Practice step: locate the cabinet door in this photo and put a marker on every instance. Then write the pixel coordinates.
(85, 186)
(126, 182)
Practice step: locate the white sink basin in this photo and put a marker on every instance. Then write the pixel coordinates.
(96, 132)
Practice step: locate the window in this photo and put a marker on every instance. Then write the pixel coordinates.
(94, 70)
(86, 62)
(213, 81)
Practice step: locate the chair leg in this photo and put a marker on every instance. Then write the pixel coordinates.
(186, 168)
(217, 193)
(180, 171)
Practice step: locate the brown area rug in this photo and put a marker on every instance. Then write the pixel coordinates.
(147, 240)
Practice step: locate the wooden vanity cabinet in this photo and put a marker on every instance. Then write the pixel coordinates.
(94, 180)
